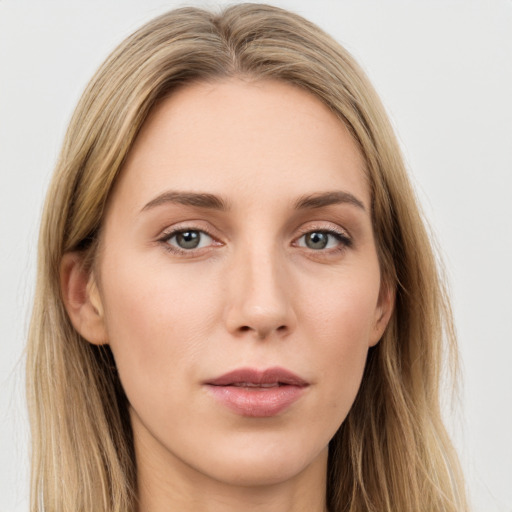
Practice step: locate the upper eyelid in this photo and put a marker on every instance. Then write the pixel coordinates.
(309, 229)
(306, 227)
(321, 226)
(170, 231)
(166, 237)
(175, 232)
(341, 237)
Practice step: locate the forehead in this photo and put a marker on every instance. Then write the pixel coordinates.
(265, 139)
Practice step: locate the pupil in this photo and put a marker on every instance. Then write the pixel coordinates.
(316, 240)
(188, 239)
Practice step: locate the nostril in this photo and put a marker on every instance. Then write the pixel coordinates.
(262, 332)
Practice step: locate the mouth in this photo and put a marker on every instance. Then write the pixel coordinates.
(256, 393)
(249, 377)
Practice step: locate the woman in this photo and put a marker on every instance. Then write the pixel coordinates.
(238, 306)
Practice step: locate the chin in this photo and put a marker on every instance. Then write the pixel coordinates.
(265, 466)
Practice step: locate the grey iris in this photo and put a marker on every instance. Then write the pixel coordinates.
(188, 239)
(317, 240)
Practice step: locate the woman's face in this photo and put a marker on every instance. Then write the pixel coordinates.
(238, 282)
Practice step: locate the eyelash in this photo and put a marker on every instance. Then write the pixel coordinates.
(168, 235)
(344, 240)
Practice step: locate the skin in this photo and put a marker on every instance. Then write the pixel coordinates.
(252, 294)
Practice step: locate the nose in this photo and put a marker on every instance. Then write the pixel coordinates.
(259, 297)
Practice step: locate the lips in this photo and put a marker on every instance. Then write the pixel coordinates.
(256, 393)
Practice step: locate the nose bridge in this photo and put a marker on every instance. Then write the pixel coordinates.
(259, 300)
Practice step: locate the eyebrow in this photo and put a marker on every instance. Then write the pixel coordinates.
(327, 199)
(213, 202)
(199, 200)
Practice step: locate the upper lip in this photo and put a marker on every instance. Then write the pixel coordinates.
(254, 377)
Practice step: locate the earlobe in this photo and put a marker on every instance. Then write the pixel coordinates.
(82, 299)
(383, 312)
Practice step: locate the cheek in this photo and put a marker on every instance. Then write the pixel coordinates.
(344, 308)
(340, 322)
(157, 324)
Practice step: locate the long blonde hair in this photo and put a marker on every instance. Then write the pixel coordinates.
(392, 452)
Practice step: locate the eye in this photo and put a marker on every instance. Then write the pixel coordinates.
(188, 239)
(322, 239)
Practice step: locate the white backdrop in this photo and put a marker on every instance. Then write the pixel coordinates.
(444, 71)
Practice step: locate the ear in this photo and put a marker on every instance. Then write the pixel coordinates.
(82, 299)
(383, 312)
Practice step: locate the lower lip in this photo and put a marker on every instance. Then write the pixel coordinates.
(257, 402)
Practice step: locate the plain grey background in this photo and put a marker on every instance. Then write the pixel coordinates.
(444, 72)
